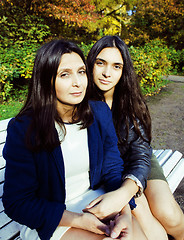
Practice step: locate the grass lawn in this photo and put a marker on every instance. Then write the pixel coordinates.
(10, 109)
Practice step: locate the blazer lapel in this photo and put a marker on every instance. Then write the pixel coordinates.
(58, 157)
(93, 139)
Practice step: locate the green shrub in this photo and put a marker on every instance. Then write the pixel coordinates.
(15, 63)
(86, 47)
(18, 31)
(177, 60)
(151, 63)
(18, 45)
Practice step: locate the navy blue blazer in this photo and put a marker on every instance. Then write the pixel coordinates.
(34, 189)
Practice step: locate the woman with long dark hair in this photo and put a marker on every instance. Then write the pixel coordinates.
(114, 81)
(59, 150)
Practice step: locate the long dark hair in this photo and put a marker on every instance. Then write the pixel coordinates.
(128, 101)
(41, 100)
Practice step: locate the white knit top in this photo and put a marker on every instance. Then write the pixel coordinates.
(76, 159)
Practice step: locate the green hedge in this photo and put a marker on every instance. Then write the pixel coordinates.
(18, 44)
(16, 62)
(151, 62)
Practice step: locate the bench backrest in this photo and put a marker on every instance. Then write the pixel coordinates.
(3, 127)
(8, 228)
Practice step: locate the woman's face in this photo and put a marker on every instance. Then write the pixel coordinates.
(71, 81)
(108, 69)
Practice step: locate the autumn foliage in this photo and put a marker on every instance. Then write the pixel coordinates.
(153, 29)
(68, 11)
(162, 19)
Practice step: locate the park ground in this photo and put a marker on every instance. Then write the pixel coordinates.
(167, 113)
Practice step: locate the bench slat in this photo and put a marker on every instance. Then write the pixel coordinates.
(9, 231)
(2, 172)
(1, 189)
(4, 219)
(3, 137)
(2, 162)
(158, 152)
(176, 176)
(17, 238)
(171, 162)
(1, 149)
(1, 205)
(164, 156)
(3, 124)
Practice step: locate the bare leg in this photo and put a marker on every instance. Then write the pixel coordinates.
(79, 234)
(165, 208)
(138, 233)
(150, 225)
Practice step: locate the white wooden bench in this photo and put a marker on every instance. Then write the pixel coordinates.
(8, 228)
(172, 163)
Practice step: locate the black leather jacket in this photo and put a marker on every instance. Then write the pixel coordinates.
(136, 154)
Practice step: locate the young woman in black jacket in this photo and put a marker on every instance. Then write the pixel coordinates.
(114, 81)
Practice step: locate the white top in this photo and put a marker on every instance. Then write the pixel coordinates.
(76, 160)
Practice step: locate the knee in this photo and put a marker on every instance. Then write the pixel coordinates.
(170, 216)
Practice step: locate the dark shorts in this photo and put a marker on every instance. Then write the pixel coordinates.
(156, 170)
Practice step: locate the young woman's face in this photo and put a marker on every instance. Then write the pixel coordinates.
(71, 80)
(108, 69)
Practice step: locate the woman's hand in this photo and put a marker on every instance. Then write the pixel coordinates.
(121, 226)
(91, 223)
(111, 203)
(85, 221)
(105, 206)
(108, 204)
(118, 228)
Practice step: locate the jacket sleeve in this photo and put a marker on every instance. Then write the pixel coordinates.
(137, 154)
(21, 184)
(109, 160)
(113, 163)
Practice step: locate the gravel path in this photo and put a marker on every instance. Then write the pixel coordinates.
(167, 113)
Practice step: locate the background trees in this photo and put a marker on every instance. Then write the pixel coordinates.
(136, 21)
(162, 19)
(147, 26)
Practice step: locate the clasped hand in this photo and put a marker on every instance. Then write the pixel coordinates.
(120, 227)
(110, 210)
(107, 205)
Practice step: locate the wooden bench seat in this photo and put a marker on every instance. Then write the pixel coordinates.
(171, 162)
(173, 165)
